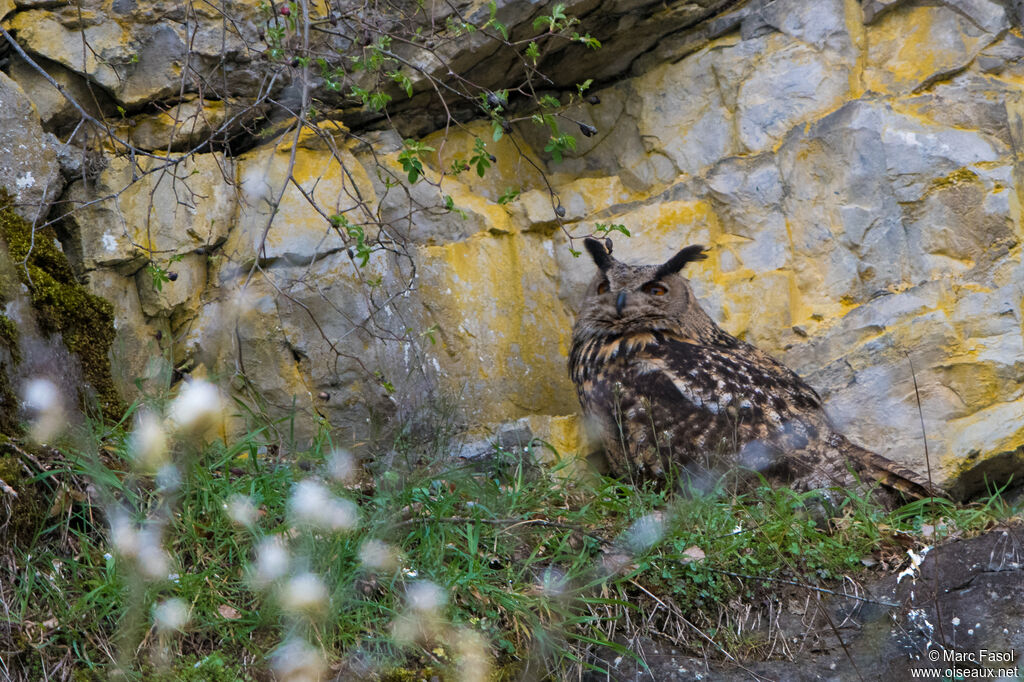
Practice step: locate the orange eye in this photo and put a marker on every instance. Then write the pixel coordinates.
(655, 289)
(602, 288)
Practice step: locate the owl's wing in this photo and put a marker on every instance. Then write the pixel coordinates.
(726, 388)
(743, 394)
(662, 399)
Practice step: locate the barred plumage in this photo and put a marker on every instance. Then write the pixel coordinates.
(666, 387)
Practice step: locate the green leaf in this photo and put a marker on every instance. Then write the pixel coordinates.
(481, 157)
(603, 228)
(510, 194)
(449, 204)
(550, 102)
(558, 144)
(429, 333)
(361, 250)
(402, 80)
(410, 158)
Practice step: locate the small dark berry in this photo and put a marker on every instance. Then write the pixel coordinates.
(594, 99)
(560, 211)
(493, 158)
(506, 126)
(172, 275)
(159, 335)
(296, 62)
(201, 251)
(588, 130)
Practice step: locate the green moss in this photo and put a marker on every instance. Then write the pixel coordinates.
(411, 675)
(9, 358)
(61, 303)
(193, 668)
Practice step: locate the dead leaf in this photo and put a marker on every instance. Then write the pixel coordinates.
(228, 612)
(694, 553)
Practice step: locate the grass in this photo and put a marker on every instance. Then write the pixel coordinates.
(500, 569)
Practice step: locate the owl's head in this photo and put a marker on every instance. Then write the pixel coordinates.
(630, 298)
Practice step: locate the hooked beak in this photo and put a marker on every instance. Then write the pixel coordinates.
(620, 303)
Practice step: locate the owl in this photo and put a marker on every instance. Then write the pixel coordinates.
(667, 389)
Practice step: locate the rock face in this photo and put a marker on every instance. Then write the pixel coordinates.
(30, 172)
(854, 168)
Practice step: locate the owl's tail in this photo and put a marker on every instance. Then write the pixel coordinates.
(872, 466)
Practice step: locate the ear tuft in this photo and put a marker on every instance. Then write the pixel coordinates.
(601, 253)
(676, 262)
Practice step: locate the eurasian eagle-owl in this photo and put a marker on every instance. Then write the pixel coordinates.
(667, 388)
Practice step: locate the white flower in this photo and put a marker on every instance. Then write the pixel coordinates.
(304, 593)
(198, 407)
(646, 532)
(272, 561)
(424, 595)
(242, 511)
(42, 399)
(124, 535)
(297, 661)
(148, 442)
(378, 556)
(340, 465)
(41, 395)
(313, 504)
(171, 614)
(153, 560)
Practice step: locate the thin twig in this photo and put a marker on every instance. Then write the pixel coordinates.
(928, 464)
(7, 489)
(794, 583)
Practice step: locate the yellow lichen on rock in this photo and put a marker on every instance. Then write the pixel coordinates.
(567, 438)
(298, 225)
(503, 332)
(911, 45)
(509, 170)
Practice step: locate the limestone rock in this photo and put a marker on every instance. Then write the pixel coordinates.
(315, 340)
(176, 296)
(169, 209)
(913, 46)
(137, 350)
(180, 127)
(29, 168)
(503, 333)
(54, 109)
(137, 50)
(333, 183)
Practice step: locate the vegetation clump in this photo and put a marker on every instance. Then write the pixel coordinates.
(250, 558)
(61, 304)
